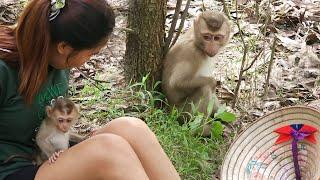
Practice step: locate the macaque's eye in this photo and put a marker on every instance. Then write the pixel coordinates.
(69, 120)
(218, 37)
(60, 120)
(207, 37)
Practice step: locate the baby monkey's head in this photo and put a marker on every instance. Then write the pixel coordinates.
(63, 113)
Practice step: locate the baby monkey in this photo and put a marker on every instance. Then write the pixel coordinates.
(54, 133)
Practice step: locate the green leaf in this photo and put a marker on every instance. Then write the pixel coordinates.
(226, 117)
(220, 110)
(156, 85)
(196, 123)
(193, 108)
(210, 105)
(144, 78)
(217, 129)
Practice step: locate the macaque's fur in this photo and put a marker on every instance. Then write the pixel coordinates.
(187, 72)
(50, 138)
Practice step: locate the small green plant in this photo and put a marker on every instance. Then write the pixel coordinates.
(221, 116)
(224, 115)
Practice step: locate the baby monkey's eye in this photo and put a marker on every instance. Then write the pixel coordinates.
(69, 120)
(60, 120)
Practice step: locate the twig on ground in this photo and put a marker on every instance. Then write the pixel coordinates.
(273, 48)
(88, 77)
(183, 18)
(257, 8)
(253, 61)
(173, 26)
(110, 51)
(95, 81)
(203, 7)
(244, 57)
(225, 9)
(125, 29)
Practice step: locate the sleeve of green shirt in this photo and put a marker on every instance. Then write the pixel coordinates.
(3, 82)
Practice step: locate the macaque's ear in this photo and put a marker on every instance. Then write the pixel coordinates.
(233, 29)
(195, 22)
(78, 108)
(48, 110)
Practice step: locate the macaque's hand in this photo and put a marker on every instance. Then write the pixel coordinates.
(92, 133)
(213, 84)
(54, 156)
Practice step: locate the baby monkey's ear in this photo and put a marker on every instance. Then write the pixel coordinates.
(78, 108)
(49, 111)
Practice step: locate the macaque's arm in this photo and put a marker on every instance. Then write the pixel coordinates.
(46, 147)
(74, 137)
(184, 77)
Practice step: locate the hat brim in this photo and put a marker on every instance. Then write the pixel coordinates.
(254, 154)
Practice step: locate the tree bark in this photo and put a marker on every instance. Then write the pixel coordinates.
(145, 44)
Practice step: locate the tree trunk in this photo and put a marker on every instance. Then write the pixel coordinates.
(144, 50)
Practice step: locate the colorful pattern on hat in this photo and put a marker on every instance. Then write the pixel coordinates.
(264, 150)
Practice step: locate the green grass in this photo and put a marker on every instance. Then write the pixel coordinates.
(194, 157)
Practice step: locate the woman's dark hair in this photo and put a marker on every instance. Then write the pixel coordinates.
(83, 24)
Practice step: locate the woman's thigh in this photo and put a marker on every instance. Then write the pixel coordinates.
(105, 156)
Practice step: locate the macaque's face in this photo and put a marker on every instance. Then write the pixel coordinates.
(214, 41)
(62, 119)
(64, 122)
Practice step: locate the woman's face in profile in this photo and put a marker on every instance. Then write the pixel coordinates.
(69, 58)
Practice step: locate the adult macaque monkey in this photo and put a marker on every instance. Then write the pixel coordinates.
(54, 133)
(187, 72)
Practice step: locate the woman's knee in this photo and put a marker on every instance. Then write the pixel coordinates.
(108, 142)
(116, 154)
(108, 147)
(129, 123)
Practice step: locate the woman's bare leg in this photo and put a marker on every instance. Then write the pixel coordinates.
(105, 156)
(145, 144)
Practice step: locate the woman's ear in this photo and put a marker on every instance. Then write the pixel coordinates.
(63, 48)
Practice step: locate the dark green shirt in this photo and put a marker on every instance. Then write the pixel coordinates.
(18, 121)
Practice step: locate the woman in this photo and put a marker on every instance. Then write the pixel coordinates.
(52, 36)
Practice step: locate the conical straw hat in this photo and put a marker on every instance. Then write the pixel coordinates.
(255, 156)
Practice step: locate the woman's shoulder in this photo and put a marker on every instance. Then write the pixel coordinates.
(6, 70)
(3, 64)
(6, 67)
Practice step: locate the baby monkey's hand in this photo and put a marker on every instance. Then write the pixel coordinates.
(54, 156)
